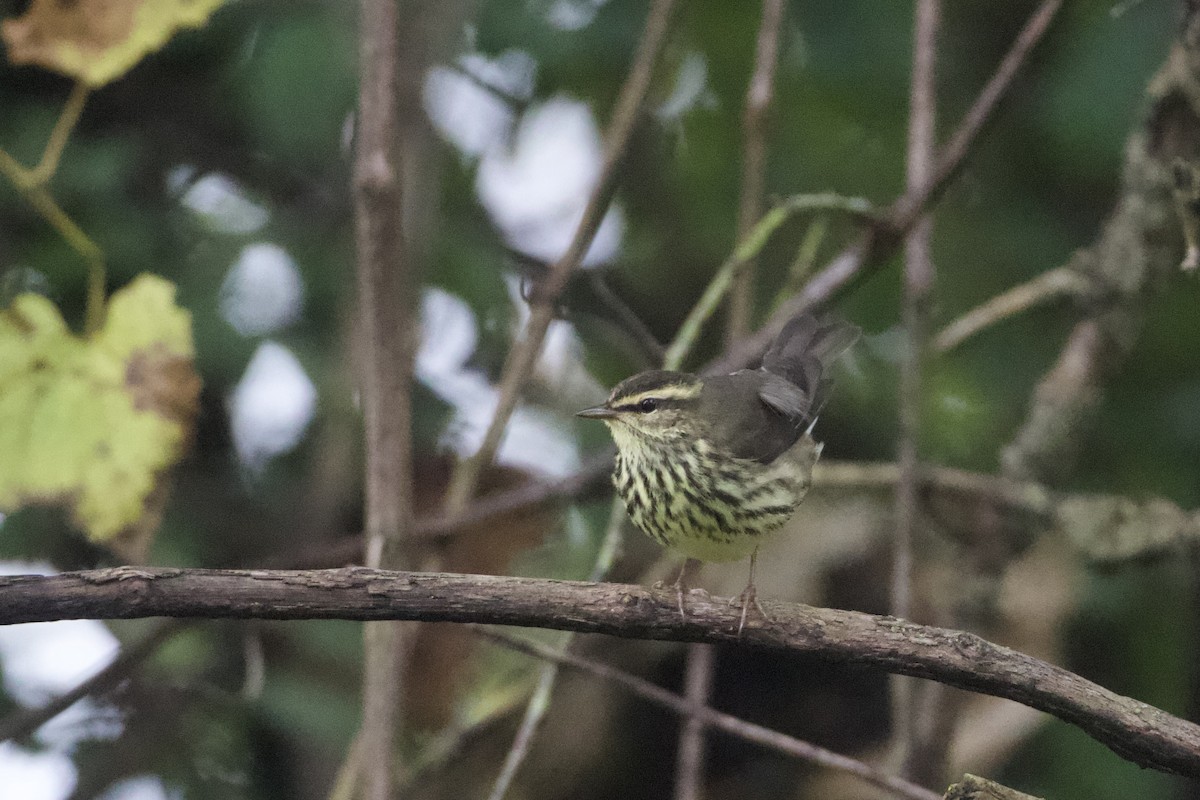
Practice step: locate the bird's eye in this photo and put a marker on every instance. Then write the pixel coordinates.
(648, 404)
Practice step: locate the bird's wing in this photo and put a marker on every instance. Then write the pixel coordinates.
(785, 397)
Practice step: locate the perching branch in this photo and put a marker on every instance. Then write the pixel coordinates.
(972, 787)
(1141, 733)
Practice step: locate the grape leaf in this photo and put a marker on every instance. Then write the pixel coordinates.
(94, 422)
(97, 41)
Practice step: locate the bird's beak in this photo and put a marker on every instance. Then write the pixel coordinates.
(599, 412)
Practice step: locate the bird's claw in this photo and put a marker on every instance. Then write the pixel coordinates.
(681, 593)
(748, 596)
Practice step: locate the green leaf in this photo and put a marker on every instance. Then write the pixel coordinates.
(94, 422)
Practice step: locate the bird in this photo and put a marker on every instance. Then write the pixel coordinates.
(710, 465)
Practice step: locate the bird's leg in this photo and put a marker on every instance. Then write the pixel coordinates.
(750, 595)
(688, 569)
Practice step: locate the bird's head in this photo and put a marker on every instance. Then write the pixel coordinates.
(657, 404)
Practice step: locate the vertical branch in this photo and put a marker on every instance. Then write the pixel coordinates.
(760, 93)
(388, 99)
(689, 763)
(918, 286)
(523, 356)
(755, 114)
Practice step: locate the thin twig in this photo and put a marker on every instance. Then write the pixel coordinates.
(631, 324)
(516, 103)
(597, 279)
(539, 700)
(535, 713)
(708, 717)
(689, 763)
(748, 248)
(804, 260)
(828, 474)
(1065, 281)
(954, 154)
(760, 95)
(1134, 730)
(872, 249)
(908, 698)
(32, 184)
(523, 355)
(57, 142)
(40, 198)
(24, 722)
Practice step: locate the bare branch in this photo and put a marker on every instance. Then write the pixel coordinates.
(1139, 246)
(918, 761)
(760, 95)
(531, 723)
(958, 147)
(523, 356)
(389, 92)
(539, 700)
(873, 248)
(27, 720)
(1065, 281)
(689, 762)
(1136, 731)
(704, 716)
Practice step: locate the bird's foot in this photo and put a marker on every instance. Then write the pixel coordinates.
(681, 587)
(748, 597)
(681, 595)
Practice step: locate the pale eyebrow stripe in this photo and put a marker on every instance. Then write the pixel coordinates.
(665, 393)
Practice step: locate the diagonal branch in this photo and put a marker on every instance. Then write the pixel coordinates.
(706, 717)
(1138, 248)
(873, 248)
(1064, 281)
(1136, 731)
(27, 720)
(523, 356)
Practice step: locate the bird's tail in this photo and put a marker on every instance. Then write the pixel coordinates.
(804, 351)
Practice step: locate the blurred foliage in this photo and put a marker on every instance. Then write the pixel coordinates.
(97, 42)
(262, 98)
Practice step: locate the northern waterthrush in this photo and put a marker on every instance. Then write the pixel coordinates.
(710, 465)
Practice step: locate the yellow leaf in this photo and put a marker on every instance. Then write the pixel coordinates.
(97, 41)
(94, 422)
